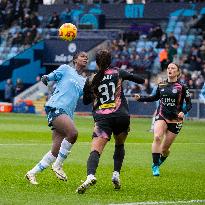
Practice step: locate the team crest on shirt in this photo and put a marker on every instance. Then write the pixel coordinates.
(174, 90)
(57, 111)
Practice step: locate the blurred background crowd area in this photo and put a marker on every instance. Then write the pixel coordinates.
(144, 48)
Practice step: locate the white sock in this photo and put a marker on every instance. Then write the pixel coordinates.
(63, 153)
(46, 161)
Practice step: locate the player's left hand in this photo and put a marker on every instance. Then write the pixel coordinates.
(181, 115)
(44, 79)
(136, 96)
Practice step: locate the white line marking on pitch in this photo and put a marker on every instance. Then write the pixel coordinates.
(163, 202)
(85, 143)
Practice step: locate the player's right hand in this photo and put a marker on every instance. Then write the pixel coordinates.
(136, 96)
(44, 79)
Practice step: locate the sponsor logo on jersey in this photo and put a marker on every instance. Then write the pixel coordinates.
(174, 90)
(162, 89)
(107, 105)
(57, 111)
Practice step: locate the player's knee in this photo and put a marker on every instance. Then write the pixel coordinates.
(72, 136)
(157, 139)
(165, 151)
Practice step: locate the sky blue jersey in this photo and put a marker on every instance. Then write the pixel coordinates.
(69, 88)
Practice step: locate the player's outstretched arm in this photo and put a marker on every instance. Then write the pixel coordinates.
(131, 77)
(150, 98)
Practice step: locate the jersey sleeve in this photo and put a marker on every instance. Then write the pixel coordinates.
(131, 77)
(87, 92)
(187, 98)
(57, 74)
(150, 98)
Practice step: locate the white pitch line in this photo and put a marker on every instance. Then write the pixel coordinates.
(162, 202)
(86, 143)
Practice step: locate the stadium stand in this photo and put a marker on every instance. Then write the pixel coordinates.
(139, 44)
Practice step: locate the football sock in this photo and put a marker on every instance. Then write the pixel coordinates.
(46, 161)
(118, 157)
(93, 162)
(63, 152)
(163, 158)
(155, 157)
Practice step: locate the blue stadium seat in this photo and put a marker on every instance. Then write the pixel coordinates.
(1, 49)
(40, 30)
(141, 44)
(12, 30)
(183, 37)
(181, 44)
(148, 44)
(177, 30)
(179, 24)
(14, 49)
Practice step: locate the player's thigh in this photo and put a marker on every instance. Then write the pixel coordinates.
(160, 128)
(103, 129)
(64, 125)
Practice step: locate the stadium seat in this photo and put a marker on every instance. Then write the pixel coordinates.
(177, 30)
(1, 49)
(14, 49)
(148, 44)
(141, 44)
(12, 30)
(40, 30)
(183, 37)
(180, 24)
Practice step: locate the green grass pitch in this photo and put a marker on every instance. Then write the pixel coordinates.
(24, 139)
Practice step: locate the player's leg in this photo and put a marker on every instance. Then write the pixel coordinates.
(66, 128)
(97, 147)
(47, 159)
(173, 130)
(159, 130)
(100, 139)
(153, 121)
(120, 130)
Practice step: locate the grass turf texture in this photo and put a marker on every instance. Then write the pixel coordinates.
(24, 139)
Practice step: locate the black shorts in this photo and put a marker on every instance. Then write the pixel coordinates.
(172, 127)
(116, 125)
(52, 113)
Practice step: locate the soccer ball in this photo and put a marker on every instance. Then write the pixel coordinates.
(67, 32)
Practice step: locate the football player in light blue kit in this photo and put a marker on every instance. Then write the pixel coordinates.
(59, 109)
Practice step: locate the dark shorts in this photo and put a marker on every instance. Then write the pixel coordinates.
(52, 113)
(172, 127)
(116, 125)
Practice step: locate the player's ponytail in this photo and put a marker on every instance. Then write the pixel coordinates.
(103, 61)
